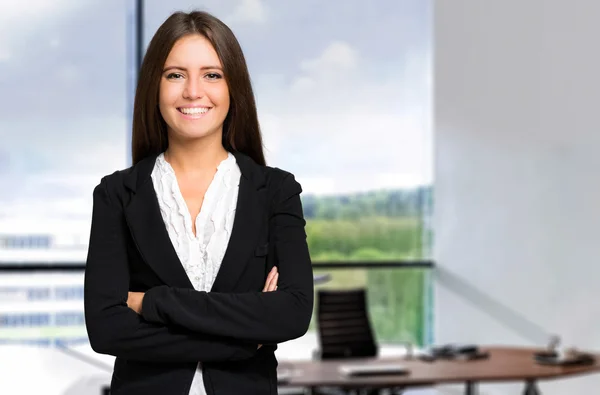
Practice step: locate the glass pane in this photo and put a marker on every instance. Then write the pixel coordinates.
(64, 72)
(42, 308)
(63, 125)
(396, 300)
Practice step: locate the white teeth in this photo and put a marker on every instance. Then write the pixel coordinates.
(193, 111)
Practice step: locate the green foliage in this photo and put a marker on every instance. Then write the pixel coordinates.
(376, 226)
(392, 238)
(396, 301)
(390, 204)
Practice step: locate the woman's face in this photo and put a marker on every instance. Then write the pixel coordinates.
(193, 95)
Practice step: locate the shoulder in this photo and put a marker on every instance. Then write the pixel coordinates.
(116, 183)
(278, 180)
(110, 187)
(273, 178)
(278, 177)
(281, 184)
(116, 179)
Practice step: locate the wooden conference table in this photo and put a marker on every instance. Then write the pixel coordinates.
(504, 365)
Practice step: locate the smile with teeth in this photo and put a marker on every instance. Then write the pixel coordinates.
(194, 110)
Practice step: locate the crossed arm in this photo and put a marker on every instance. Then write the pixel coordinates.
(182, 325)
(135, 299)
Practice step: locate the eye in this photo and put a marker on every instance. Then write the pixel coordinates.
(213, 76)
(174, 76)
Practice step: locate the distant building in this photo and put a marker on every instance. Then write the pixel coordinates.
(43, 240)
(42, 308)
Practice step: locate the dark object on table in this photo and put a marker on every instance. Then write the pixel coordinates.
(453, 351)
(366, 370)
(568, 358)
(319, 279)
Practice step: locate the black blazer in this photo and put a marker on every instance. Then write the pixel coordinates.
(157, 352)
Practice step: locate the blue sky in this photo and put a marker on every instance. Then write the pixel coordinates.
(343, 90)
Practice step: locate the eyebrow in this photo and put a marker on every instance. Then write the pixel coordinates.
(184, 69)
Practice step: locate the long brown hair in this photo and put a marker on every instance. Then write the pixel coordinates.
(241, 131)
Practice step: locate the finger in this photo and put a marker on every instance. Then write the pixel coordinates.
(273, 284)
(272, 274)
(268, 282)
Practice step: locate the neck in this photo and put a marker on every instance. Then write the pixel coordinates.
(195, 157)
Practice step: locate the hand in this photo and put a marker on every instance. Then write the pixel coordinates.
(272, 278)
(134, 301)
(271, 284)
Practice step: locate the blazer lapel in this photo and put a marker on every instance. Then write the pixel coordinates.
(149, 231)
(250, 216)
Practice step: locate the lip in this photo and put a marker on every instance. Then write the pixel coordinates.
(194, 116)
(195, 106)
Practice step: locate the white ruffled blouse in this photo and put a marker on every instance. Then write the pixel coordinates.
(200, 255)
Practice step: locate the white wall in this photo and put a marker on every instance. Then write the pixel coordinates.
(517, 201)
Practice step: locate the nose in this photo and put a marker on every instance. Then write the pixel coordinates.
(193, 89)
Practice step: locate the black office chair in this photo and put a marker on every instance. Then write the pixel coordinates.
(345, 331)
(344, 326)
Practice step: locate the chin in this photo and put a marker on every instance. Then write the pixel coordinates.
(195, 134)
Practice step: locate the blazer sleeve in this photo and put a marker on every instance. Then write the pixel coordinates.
(113, 328)
(262, 317)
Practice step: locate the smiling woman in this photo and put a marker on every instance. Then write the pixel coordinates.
(198, 264)
(190, 66)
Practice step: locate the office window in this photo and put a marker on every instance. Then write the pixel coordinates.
(63, 121)
(66, 70)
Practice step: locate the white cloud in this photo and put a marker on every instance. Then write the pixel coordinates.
(250, 11)
(69, 74)
(54, 42)
(393, 180)
(74, 163)
(332, 68)
(358, 183)
(343, 126)
(318, 185)
(19, 18)
(337, 56)
(303, 84)
(5, 54)
(269, 124)
(17, 9)
(351, 152)
(25, 15)
(340, 80)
